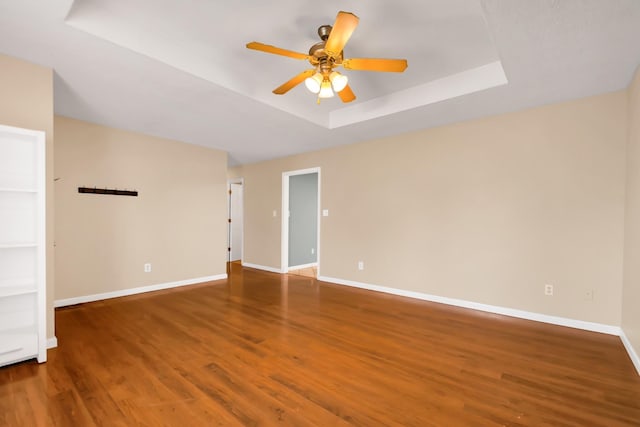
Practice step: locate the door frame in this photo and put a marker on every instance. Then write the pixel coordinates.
(229, 225)
(284, 235)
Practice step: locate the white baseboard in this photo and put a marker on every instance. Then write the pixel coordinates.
(630, 350)
(555, 320)
(52, 342)
(262, 267)
(132, 291)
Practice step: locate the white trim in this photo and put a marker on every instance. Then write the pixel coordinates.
(635, 359)
(302, 171)
(448, 87)
(239, 181)
(41, 239)
(319, 221)
(132, 291)
(261, 267)
(284, 225)
(20, 131)
(52, 342)
(555, 320)
(301, 266)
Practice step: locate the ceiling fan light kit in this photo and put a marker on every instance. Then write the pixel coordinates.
(338, 81)
(325, 87)
(325, 90)
(314, 82)
(328, 54)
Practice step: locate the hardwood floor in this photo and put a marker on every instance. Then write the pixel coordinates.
(307, 272)
(261, 349)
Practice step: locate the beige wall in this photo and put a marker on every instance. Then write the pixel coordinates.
(177, 223)
(486, 211)
(26, 101)
(631, 290)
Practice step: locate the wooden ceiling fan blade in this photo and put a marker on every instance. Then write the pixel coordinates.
(375, 64)
(276, 50)
(286, 87)
(344, 26)
(347, 94)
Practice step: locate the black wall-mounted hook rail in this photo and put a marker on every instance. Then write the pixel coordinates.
(113, 192)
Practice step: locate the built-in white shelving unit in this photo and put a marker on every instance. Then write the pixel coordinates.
(22, 246)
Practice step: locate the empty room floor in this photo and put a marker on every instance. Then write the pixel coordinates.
(268, 349)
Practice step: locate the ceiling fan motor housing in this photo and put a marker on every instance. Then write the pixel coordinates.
(324, 31)
(318, 57)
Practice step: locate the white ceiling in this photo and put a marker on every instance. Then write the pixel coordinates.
(180, 69)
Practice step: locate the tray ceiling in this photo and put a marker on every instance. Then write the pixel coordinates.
(180, 70)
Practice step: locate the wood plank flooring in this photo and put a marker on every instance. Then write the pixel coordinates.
(307, 272)
(264, 349)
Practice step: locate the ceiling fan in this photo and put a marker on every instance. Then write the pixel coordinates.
(327, 55)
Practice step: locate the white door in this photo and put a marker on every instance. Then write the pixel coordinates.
(235, 225)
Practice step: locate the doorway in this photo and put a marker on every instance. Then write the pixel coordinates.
(235, 230)
(300, 220)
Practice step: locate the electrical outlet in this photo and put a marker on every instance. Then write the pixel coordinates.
(147, 268)
(588, 295)
(360, 265)
(548, 289)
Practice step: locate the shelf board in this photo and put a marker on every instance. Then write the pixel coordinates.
(15, 339)
(17, 190)
(12, 291)
(18, 245)
(22, 330)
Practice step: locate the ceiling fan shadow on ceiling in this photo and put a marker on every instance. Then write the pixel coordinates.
(327, 55)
